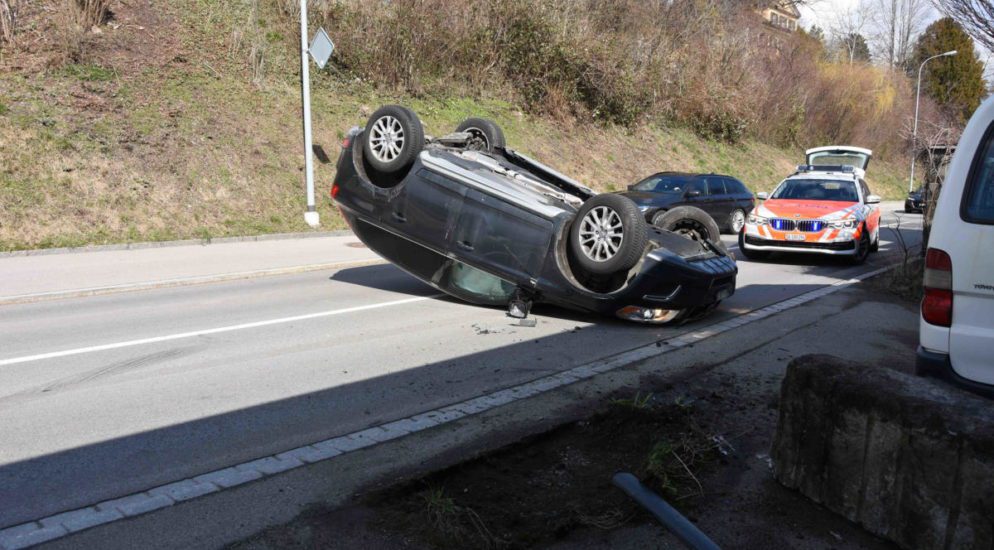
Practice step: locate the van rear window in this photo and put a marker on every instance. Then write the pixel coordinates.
(978, 202)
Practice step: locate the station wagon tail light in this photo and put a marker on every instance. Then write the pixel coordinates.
(334, 190)
(937, 305)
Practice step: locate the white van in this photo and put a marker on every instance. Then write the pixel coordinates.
(957, 312)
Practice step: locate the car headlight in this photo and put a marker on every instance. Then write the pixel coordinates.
(842, 224)
(757, 220)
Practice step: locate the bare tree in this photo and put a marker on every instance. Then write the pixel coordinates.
(898, 24)
(847, 28)
(976, 17)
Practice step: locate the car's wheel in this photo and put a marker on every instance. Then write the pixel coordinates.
(875, 247)
(862, 248)
(750, 254)
(393, 138)
(691, 222)
(736, 221)
(486, 133)
(608, 235)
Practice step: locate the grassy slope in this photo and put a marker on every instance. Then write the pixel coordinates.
(183, 145)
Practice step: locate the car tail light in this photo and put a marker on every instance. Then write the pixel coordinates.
(334, 190)
(937, 305)
(346, 142)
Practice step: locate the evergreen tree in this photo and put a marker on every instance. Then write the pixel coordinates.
(956, 82)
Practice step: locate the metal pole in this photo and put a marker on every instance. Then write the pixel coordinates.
(687, 532)
(311, 215)
(914, 131)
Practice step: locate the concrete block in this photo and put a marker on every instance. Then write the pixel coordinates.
(229, 477)
(184, 490)
(134, 505)
(77, 520)
(910, 459)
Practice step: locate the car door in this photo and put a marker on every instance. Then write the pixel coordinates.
(873, 210)
(718, 204)
(738, 195)
(428, 210)
(695, 193)
(501, 238)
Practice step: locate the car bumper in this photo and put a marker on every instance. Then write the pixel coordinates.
(938, 365)
(835, 248)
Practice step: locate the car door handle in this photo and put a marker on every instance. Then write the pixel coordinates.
(399, 217)
(465, 245)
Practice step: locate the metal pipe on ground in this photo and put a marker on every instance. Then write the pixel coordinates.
(681, 527)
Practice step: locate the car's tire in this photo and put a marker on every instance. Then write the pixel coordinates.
(486, 133)
(736, 221)
(690, 222)
(862, 249)
(751, 254)
(608, 235)
(875, 246)
(393, 139)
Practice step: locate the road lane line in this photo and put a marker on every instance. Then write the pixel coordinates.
(207, 332)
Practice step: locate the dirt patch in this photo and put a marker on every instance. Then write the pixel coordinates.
(548, 486)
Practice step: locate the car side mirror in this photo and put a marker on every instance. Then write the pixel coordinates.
(692, 194)
(873, 199)
(762, 196)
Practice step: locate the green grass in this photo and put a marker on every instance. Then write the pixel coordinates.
(89, 73)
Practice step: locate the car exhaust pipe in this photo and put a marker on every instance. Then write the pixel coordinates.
(687, 532)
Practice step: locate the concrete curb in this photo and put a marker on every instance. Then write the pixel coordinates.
(183, 281)
(60, 525)
(163, 244)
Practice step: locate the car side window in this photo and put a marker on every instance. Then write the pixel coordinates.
(716, 186)
(864, 189)
(978, 199)
(697, 185)
(735, 187)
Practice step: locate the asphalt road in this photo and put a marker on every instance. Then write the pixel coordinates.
(108, 395)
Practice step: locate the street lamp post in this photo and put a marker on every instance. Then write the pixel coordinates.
(914, 131)
(311, 215)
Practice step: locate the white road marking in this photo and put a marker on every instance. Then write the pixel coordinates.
(206, 332)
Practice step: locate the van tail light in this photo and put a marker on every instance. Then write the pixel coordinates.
(937, 305)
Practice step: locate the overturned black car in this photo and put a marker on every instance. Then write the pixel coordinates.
(491, 226)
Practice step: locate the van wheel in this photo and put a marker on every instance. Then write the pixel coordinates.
(487, 135)
(393, 139)
(608, 235)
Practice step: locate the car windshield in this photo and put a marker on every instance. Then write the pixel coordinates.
(817, 190)
(663, 184)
